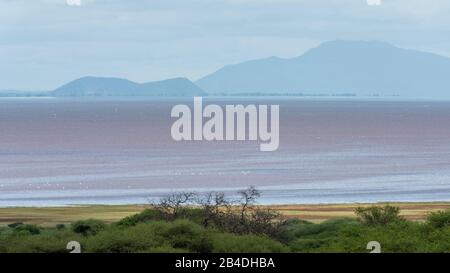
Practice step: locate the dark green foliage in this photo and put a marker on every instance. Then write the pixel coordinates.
(26, 230)
(288, 229)
(326, 229)
(228, 243)
(376, 215)
(180, 235)
(340, 235)
(119, 240)
(48, 241)
(308, 237)
(60, 226)
(187, 235)
(143, 217)
(439, 219)
(400, 237)
(88, 227)
(14, 225)
(155, 236)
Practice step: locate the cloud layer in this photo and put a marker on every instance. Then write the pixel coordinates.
(374, 2)
(49, 42)
(73, 2)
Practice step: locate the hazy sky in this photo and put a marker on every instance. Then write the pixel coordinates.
(45, 43)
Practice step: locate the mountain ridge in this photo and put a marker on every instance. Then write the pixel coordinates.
(109, 86)
(359, 67)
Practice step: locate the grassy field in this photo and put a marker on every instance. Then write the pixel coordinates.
(64, 215)
(320, 213)
(313, 213)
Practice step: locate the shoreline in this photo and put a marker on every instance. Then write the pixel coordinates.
(50, 216)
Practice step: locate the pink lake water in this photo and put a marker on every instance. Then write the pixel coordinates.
(120, 151)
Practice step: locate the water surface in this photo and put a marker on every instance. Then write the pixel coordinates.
(119, 151)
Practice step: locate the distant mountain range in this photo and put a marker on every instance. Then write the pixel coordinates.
(94, 86)
(115, 87)
(339, 67)
(359, 68)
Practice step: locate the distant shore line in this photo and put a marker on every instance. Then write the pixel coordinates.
(238, 96)
(4, 94)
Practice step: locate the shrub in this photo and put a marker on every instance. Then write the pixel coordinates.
(60, 226)
(439, 219)
(155, 236)
(325, 229)
(288, 229)
(396, 237)
(49, 241)
(188, 235)
(230, 243)
(14, 225)
(307, 237)
(144, 237)
(377, 215)
(115, 241)
(308, 245)
(27, 230)
(88, 227)
(145, 216)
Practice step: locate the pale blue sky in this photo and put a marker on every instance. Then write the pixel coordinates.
(45, 43)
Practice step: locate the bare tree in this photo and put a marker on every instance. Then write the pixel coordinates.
(265, 221)
(239, 216)
(248, 199)
(214, 205)
(172, 205)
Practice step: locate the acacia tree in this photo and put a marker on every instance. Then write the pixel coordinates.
(174, 204)
(239, 216)
(215, 206)
(248, 200)
(376, 215)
